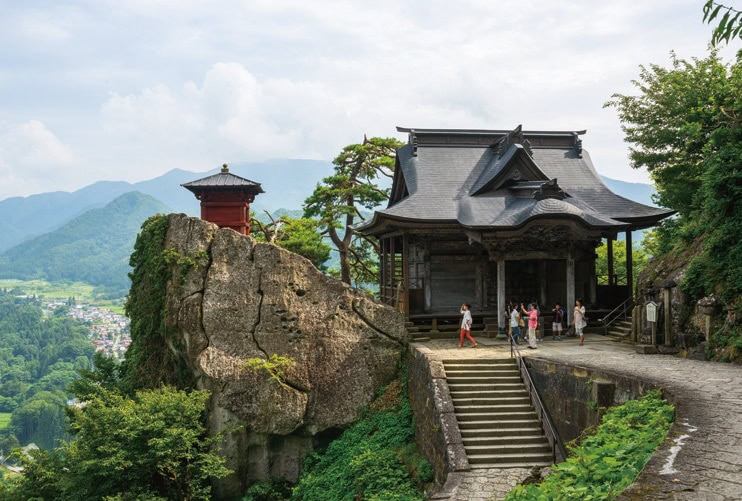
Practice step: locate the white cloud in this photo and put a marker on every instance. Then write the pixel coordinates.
(143, 86)
(32, 157)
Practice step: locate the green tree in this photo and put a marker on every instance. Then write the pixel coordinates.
(153, 445)
(299, 235)
(639, 260)
(685, 127)
(730, 23)
(339, 199)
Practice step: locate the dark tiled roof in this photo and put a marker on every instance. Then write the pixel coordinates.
(472, 185)
(222, 181)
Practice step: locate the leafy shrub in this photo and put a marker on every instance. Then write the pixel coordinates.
(375, 459)
(272, 490)
(604, 464)
(275, 365)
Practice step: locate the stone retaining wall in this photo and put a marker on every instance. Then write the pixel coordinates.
(576, 398)
(436, 430)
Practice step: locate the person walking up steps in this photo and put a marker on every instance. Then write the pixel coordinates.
(578, 319)
(466, 326)
(532, 324)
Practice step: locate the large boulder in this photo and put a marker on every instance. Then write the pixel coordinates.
(231, 299)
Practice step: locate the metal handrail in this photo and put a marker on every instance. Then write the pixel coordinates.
(617, 312)
(557, 448)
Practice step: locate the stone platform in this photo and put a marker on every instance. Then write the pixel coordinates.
(702, 456)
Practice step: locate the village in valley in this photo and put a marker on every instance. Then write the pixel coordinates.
(108, 325)
(109, 331)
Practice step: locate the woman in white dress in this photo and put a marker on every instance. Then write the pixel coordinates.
(578, 319)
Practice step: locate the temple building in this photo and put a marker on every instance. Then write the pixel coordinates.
(482, 216)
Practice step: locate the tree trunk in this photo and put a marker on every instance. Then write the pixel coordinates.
(344, 264)
(342, 247)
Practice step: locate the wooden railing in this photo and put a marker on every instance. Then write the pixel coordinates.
(557, 448)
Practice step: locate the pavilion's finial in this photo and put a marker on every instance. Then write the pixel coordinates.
(225, 169)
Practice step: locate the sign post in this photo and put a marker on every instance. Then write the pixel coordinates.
(651, 309)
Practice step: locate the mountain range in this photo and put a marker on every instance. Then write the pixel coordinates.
(87, 235)
(286, 183)
(93, 247)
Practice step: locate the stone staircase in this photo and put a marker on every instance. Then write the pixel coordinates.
(498, 424)
(620, 330)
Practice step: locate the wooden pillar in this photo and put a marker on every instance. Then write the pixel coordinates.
(610, 261)
(501, 294)
(593, 283)
(629, 264)
(542, 283)
(428, 278)
(405, 276)
(478, 281)
(570, 288)
(666, 292)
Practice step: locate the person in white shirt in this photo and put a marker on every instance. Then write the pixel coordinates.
(514, 318)
(466, 325)
(578, 319)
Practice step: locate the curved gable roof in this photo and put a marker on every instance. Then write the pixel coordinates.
(465, 183)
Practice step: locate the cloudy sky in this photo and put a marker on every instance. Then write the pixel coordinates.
(129, 89)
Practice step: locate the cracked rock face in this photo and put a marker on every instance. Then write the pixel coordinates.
(251, 300)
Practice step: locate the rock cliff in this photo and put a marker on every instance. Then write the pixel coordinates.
(231, 299)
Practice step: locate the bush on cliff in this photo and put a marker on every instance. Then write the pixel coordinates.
(604, 464)
(375, 458)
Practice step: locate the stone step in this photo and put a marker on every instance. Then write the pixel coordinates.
(483, 379)
(495, 417)
(494, 408)
(482, 366)
(421, 339)
(505, 423)
(491, 433)
(496, 401)
(515, 457)
(619, 328)
(507, 372)
(477, 361)
(533, 448)
(483, 466)
(491, 441)
(459, 387)
(489, 393)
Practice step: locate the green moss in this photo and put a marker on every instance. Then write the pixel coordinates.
(149, 362)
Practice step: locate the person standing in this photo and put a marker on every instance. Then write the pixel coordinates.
(578, 319)
(466, 322)
(514, 319)
(556, 326)
(532, 314)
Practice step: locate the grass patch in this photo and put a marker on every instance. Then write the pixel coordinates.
(5, 419)
(604, 464)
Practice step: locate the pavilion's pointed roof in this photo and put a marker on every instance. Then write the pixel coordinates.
(223, 180)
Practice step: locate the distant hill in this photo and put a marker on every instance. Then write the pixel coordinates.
(638, 192)
(286, 182)
(93, 247)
